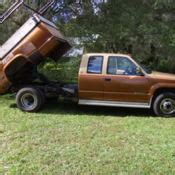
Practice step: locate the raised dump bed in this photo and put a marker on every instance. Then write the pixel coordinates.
(37, 39)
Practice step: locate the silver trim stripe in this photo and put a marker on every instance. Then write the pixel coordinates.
(113, 103)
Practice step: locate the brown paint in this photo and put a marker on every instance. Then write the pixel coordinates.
(123, 88)
(42, 42)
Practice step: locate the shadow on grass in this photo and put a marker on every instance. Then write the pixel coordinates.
(54, 107)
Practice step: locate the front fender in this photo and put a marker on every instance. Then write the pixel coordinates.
(158, 86)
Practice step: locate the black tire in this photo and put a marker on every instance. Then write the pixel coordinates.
(29, 99)
(164, 105)
(43, 98)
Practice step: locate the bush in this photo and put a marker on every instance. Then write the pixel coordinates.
(166, 65)
(65, 70)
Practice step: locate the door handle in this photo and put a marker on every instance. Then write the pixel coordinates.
(107, 79)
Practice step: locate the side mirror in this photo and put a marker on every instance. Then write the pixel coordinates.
(139, 71)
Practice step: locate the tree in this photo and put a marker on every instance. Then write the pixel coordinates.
(144, 29)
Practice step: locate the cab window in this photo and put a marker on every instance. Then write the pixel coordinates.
(95, 65)
(121, 66)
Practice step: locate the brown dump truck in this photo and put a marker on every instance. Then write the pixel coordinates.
(104, 79)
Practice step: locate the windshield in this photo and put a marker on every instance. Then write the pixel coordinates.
(146, 69)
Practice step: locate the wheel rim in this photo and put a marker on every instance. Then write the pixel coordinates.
(167, 106)
(28, 101)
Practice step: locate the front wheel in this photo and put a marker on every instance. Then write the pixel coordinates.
(29, 99)
(164, 105)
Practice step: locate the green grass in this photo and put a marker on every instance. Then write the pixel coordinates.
(70, 139)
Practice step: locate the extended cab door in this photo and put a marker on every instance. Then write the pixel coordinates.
(123, 83)
(91, 82)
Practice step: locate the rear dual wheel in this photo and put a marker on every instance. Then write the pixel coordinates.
(164, 105)
(30, 99)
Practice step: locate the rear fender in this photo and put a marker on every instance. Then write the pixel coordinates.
(15, 63)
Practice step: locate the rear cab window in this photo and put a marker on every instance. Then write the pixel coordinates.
(95, 65)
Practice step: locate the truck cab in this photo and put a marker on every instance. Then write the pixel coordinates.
(118, 80)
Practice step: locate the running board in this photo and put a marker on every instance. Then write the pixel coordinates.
(114, 103)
